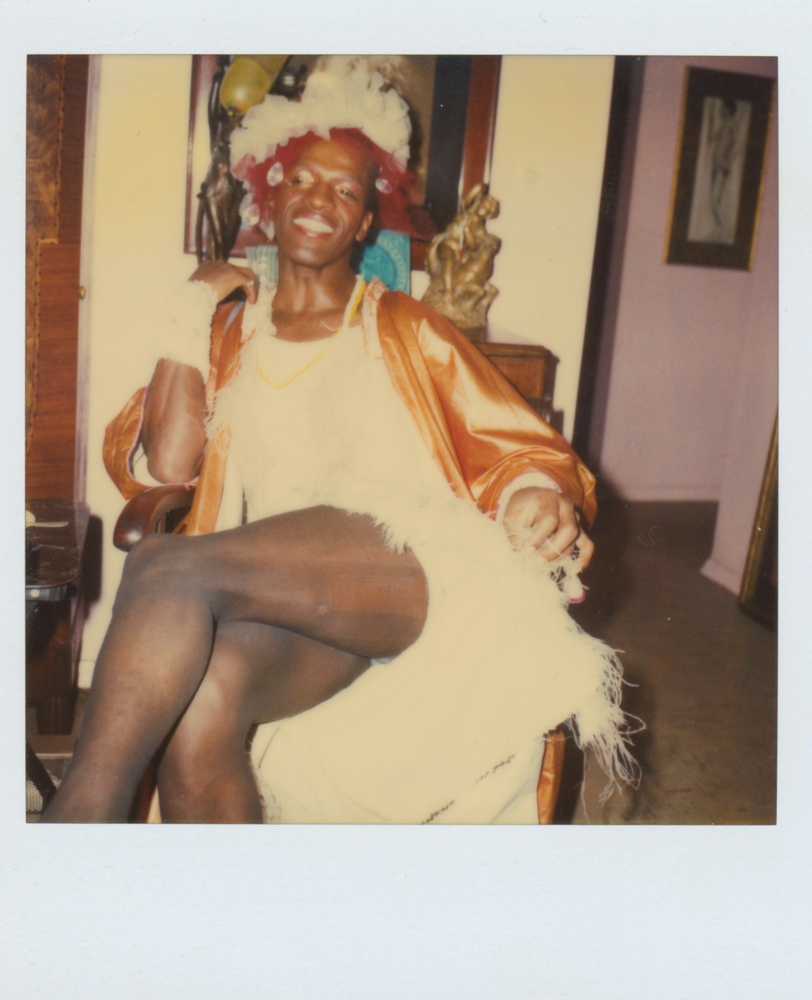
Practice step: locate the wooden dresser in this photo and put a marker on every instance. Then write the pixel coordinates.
(530, 368)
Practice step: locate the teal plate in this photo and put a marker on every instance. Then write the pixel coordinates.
(388, 259)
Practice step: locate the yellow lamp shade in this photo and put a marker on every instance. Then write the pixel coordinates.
(271, 64)
(245, 83)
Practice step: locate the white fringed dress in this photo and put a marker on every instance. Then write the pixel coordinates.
(451, 730)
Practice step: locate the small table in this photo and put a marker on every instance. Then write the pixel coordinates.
(54, 547)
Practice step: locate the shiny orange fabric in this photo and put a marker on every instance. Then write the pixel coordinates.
(478, 428)
(549, 783)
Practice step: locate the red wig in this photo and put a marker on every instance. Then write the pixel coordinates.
(396, 202)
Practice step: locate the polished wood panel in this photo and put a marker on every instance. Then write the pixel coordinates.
(480, 125)
(481, 121)
(55, 141)
(55, 138)
(72, 149)
(51, 454)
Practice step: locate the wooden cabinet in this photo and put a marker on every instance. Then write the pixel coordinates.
(530, 368)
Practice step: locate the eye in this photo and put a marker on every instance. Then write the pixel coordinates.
(347, 192)
(300, 178)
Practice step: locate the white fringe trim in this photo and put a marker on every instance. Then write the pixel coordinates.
(598, 721)
(256, 318)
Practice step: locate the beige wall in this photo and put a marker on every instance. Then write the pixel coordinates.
(132, 257)
(547, 172)
(547, 168)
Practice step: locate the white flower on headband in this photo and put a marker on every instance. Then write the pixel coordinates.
(276, 174)
(328, 101)
(250, 214)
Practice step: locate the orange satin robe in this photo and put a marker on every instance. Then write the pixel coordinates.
(478, 428)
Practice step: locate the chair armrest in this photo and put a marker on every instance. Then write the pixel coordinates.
(552, 769)
(146, 514)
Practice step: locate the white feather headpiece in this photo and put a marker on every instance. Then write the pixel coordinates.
(357, 100)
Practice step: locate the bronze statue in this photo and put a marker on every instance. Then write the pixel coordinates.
(460, 264)
(218, 210)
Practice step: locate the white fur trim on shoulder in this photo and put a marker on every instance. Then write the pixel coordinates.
(257, 316)
(186, 325)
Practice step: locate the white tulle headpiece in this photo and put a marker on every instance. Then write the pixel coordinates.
(357, 100)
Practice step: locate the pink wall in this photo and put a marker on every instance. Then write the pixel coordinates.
(692, 389)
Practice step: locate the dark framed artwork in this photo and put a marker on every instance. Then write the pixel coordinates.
(720, 167)
(759, 590)
(453, 101)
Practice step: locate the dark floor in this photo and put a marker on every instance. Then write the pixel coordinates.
(706, 675)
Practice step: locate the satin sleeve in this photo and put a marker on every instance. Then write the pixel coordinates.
(122, 435)
(121, 438)
(481, 430)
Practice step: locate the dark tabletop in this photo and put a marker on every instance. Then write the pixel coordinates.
(54, 547)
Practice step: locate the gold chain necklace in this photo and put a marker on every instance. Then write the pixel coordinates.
(349, 313)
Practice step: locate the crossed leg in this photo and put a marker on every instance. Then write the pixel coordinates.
(257, 673)
(319, 584)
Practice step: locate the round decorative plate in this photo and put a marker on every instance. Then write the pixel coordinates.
(388, 259)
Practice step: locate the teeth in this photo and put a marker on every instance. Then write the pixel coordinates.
(315, 225)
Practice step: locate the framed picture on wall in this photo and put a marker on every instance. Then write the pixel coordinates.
(453, 104)
(720, 166)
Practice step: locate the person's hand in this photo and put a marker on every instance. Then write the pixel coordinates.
(545, 521)
(226, 278)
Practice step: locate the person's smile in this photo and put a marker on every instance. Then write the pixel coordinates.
(314, 223)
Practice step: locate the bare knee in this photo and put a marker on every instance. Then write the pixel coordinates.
(157, 566)
(150, 557)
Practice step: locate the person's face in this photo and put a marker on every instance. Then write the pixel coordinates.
(320, 209)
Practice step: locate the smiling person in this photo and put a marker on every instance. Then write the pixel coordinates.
(368, 571)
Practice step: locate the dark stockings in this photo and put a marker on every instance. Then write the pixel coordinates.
(212, 634)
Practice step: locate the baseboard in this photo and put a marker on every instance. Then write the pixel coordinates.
(725, 577)
(659, 493)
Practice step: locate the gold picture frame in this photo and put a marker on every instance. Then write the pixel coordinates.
(759, 590)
